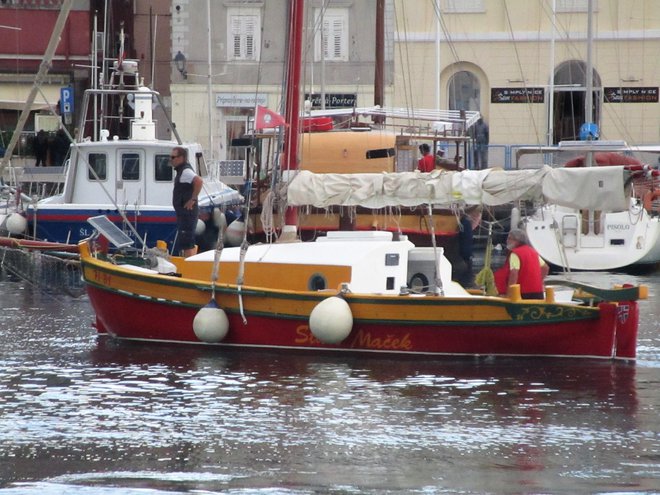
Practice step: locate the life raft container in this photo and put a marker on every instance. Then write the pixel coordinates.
(649, 198)
(317, 124)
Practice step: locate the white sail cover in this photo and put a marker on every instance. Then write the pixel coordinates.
(600, 188)
(592, 188)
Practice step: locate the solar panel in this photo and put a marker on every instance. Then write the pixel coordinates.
(110, 231)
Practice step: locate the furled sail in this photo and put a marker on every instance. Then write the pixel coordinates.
(600, 188)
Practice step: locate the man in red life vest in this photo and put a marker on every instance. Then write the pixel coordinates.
(523, 266)
(427, 162)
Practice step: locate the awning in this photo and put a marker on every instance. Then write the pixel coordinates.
(14, 95)
(18, 105)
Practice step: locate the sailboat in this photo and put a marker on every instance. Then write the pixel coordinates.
(352, 291)
(120, 168)
(609, 238)
(616, 236)
(374, 139)
(380, 149)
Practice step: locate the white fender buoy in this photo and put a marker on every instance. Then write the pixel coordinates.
(515, 217)
(200, 227)
(211, 324)
(331, 320)
(219, 219)
(234, 233)
(16, 223)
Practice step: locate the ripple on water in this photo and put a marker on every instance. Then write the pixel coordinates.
(81, 415)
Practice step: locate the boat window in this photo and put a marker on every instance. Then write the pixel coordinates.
(380, 153)
(317, 282)
(391, 259)
(97, 163)
(201, 164)
(163, 171)
(130, 166)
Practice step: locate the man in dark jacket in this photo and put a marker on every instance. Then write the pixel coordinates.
(41, 148)
(187, 186)
(481, 139)
(60, 148)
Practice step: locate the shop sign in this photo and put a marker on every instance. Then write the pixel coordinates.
(517, 95)
(333, 100)
(248, 100)
(631, 95)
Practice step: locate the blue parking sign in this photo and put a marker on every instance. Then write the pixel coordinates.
(66, 100)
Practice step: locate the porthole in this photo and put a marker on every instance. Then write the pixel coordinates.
(419, 283)
(317, 282)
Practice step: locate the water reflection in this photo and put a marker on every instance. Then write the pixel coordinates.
(81, 414)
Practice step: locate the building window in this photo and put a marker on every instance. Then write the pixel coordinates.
(163, 171)
(97, 163)
(464, 91)
(331, 42)
(130, 166)
(575, 5)
(243, 34)
(463, 6)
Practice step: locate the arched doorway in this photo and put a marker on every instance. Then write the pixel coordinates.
(464, 91)
(568, 112)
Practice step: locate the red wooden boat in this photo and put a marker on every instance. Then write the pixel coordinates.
(348, 292)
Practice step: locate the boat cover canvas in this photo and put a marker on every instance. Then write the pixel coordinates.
(600, 188)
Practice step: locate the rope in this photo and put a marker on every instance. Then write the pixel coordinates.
(485, 278)
(266, 216)
(566, 268)
(216, 260)
(239, 277)
(436, 263)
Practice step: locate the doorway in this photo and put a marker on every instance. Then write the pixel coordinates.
(568, 112)
(464, 91)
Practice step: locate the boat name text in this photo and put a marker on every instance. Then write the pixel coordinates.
(618, 226)
(361, 339)
(389, 342)
(102, 278)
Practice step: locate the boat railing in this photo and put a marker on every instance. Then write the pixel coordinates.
(93, 119)
(231, 172)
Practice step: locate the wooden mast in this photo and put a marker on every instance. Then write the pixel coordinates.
(379, 99)
(292, 105)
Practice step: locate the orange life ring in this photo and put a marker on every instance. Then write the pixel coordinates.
(648, 199)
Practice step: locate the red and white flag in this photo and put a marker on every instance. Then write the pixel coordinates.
(265, 118)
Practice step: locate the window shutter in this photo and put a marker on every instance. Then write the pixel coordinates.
(249, 37)
(236, 35)
(464, 6)
(334, 42)
(326, 34)
(243, 37)
(337, 37)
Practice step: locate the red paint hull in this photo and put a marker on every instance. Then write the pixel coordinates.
(130, 317)
(37, 245)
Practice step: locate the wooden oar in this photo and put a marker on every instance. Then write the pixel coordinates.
(615, 294)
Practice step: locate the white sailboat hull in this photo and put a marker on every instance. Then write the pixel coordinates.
(617, 239)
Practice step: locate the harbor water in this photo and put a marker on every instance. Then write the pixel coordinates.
(84, 414)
